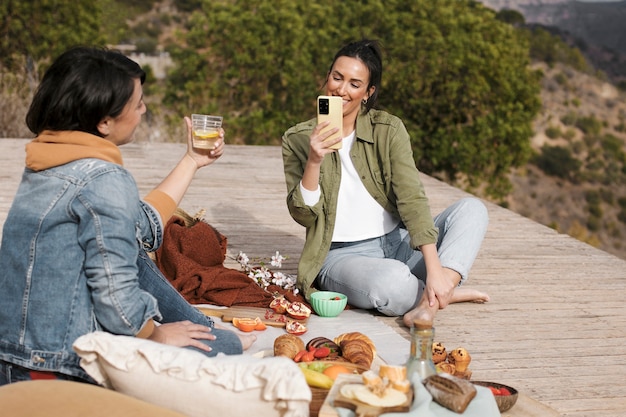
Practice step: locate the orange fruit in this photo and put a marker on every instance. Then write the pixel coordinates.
(334, 370)
(245, 324)
(260, 325)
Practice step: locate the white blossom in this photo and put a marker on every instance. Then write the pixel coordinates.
(277, 260)
(264, 277)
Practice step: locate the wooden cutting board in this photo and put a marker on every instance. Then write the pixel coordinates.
(335, 399)
(267, 315)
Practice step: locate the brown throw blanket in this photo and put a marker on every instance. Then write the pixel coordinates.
(192, 258)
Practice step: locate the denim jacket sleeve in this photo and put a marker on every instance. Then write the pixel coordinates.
(111, 220)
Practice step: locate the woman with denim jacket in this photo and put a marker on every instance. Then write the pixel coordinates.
(73, 254)
(369, 230)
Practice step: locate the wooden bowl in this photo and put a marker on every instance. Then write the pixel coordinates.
(505, 402)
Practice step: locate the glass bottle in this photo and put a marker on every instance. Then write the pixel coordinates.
(421, 356)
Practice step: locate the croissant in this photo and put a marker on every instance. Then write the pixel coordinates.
(446, 367)
(353, 336)
(288, 345)
(358, 352)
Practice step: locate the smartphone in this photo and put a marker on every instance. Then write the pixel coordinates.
(331, 108)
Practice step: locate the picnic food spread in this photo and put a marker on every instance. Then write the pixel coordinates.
(377, 392)
(455, 362)
(352, 347)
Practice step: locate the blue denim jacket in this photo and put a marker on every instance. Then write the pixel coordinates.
(68, 262)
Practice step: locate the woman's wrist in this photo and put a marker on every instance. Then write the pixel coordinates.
(191, 162)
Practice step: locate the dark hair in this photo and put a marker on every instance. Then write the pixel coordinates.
(81, 88)
(369, 52)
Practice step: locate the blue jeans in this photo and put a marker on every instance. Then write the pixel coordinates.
(174, 307)
(388, 275)
(10, 373)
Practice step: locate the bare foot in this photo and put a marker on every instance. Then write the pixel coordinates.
(427, 313)
(462, 295)
(247, 340)
(422, 312)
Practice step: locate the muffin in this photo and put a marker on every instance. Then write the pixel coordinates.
(460, 358)
(439, 352)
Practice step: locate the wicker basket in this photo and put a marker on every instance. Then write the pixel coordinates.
(317, 399)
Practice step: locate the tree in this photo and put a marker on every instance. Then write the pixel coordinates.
(35, 30)
(260, 63)
(458, 77)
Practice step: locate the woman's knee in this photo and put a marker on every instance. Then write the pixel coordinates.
(398, 291)
(476, 209)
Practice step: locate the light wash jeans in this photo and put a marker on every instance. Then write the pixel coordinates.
(386, 274)
(174, 307)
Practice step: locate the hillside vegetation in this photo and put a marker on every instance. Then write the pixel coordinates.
(541, 133)
(576, 182)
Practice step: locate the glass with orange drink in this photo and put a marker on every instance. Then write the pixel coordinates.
(205, 130)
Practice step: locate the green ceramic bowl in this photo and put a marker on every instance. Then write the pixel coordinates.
(328, 303)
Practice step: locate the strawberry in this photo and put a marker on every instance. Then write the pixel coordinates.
(321, 352)
(495, 391)
(504, 391)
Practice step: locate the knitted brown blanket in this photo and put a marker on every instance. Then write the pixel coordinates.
(192, 259)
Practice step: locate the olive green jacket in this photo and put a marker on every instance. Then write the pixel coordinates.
(383, 157)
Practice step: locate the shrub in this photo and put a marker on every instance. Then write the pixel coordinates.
(589, 124)
(594, 223)
(553, 132)
(569, 119)
(558, 161)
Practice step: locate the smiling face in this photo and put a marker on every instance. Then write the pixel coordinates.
(120, 130)
(349, 79)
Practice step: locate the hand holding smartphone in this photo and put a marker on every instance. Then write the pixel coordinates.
(330, 108)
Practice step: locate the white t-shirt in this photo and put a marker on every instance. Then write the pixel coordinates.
(359, 216)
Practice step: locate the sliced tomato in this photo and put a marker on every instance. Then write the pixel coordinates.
(295, 328)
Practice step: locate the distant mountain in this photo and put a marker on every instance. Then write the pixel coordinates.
(598, 29)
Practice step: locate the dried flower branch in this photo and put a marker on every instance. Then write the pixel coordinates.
(264, 276)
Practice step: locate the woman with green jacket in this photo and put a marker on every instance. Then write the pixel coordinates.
(369, 229)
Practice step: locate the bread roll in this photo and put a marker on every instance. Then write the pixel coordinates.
(288, 345)
(403, 385)
(392, 372)
(450, 392)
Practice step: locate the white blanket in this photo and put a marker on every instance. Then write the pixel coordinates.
(391, 347)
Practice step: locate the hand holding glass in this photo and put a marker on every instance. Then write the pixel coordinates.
(205, 130)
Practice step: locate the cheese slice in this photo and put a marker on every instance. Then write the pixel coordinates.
(391, 397)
